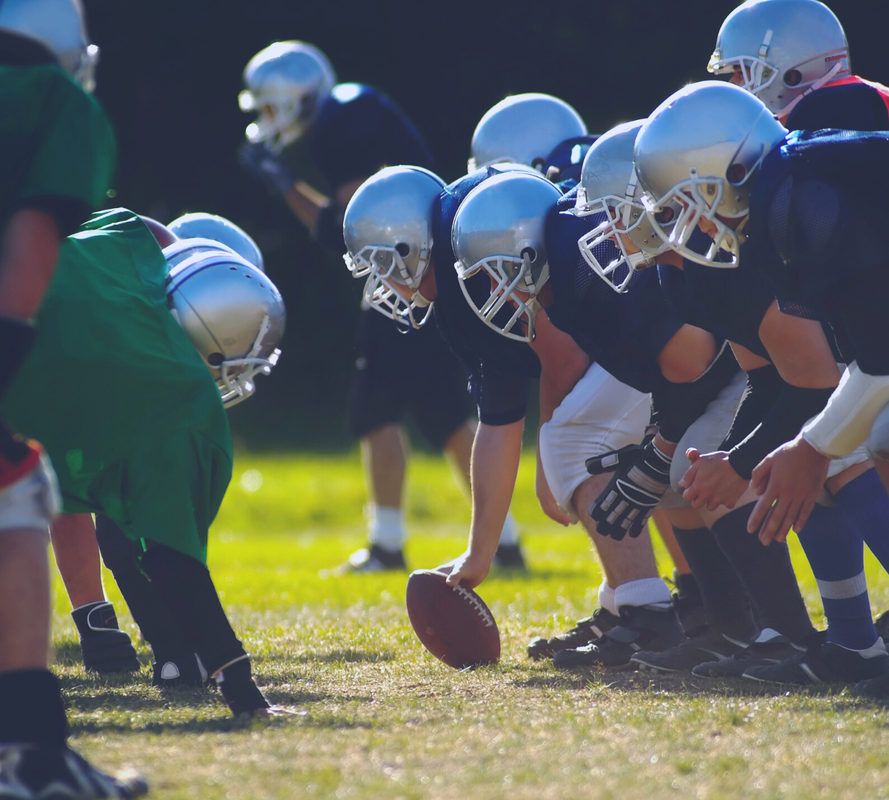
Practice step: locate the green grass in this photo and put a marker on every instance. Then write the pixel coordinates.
(381, 718)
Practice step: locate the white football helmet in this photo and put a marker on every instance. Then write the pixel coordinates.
(700, 151)
(286, 85)
(783, 48)
(388, 231)
(199, 225)
(498, 231)
(523, 129)
(609, 188)
(58, 25)
(232, 312)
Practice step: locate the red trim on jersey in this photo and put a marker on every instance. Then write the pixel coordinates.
(883, 91)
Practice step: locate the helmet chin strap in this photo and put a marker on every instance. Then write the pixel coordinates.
(824, 79)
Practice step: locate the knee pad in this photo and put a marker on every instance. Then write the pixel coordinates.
(32, 501)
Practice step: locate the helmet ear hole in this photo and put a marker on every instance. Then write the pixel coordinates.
(736, 174)
(403, 249)
(538, 164)
(530, 253)
(215, 359)
(793, 77)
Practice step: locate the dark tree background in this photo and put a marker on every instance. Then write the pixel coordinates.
(170, 73)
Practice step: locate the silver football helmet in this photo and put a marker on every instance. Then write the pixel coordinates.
(388, 231)
(199, 225)
(60, 26)
(610, 189)
(701, 150)
(286, 85)
(783, 49)
(232, 312)
(523, 129)
(498, 231)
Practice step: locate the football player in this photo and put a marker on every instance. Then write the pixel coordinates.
(349, 131)
(59, 154)
(151, 448)
(742, 181)
(638, 339)
(398, 234)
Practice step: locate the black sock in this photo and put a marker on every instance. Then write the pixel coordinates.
(186, 587)
(31, 708)
(159, 625)
(766, 573)
(725, 599)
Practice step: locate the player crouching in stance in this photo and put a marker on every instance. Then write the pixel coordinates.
(796, 207)
(140, 434)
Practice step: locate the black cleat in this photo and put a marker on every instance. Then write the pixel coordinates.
(640, 628)
(583, 633)
(706, 646)
(373, 558)
(105, 647)
(185, 670)
(769, 648)
(510, 556)
(51, 773)
(829, 663)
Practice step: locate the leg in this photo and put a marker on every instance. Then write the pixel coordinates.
(105, 647)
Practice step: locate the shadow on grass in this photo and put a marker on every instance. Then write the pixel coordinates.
(348, 656)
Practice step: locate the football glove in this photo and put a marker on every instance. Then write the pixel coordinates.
(641, 478)
(257, 160)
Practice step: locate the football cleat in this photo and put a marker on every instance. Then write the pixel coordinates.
(105, 647)
(185, 670)
(829, 663)
(706, 646)
(640, 628)
(509, 556)
(769, 648)
(373, 558)
(44, 773)
(583, 633)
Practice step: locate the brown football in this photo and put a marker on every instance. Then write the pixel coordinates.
(452, 622)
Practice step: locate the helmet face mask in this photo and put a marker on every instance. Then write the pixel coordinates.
(699, 155)
(387, 229)
(231, 312)
(286, 83)
(498, 233)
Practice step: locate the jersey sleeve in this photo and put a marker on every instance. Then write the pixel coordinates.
(73, 163)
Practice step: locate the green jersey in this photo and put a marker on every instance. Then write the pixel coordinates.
(58, 149)
(117, 394)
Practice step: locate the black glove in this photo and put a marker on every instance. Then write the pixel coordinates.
(641, 479)
(260, 162)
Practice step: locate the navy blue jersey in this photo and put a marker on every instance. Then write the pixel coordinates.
(500, 370)
(624, 332)
(851, 103)
(359, 130)
(816, 218)
(730, 303)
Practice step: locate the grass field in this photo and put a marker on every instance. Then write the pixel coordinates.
(381, 718)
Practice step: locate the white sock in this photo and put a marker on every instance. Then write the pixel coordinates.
(643, 592)
(877, 649)
(606, 598)
(510, 532)
(385, 526)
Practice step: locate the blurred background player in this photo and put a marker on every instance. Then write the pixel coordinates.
(350, 131)
(141, 436)
(58, 159)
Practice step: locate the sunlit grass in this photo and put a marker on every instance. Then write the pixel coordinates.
(381, 718)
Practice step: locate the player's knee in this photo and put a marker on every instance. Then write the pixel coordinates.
(877, 443)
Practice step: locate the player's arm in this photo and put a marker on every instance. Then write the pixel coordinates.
(28, 257)
(495, 464)
(562, 365)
